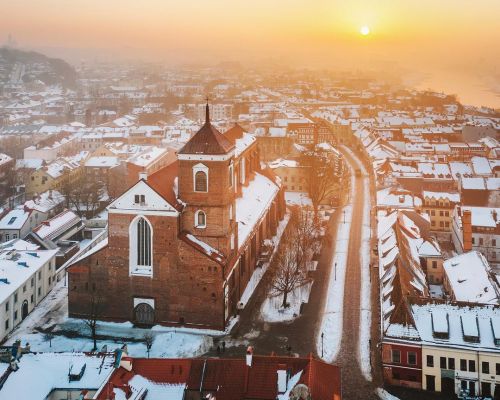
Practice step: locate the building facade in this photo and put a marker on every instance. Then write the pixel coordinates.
(183, 244)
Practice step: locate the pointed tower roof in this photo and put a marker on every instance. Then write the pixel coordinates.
(208, 140)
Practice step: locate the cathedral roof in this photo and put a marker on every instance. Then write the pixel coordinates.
(236, 132)
(208, 140)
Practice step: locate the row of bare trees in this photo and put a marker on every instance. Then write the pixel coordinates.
(298, 244)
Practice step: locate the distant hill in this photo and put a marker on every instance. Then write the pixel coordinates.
(35, 66)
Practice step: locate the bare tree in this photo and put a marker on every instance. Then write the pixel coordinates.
(305, 229)
(94, 313)
(148, 340)
(289, 274)
(321, 178)
(83, 194)
(48, 336)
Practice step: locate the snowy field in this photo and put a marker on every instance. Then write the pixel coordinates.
(331, 324)
(272, 311)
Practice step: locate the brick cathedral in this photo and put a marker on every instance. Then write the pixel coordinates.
(183, 243)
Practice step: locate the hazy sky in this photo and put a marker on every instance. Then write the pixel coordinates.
(425, 35)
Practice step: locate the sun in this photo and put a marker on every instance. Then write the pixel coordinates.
(365, 30)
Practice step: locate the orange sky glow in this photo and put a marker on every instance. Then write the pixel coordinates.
(425, 35)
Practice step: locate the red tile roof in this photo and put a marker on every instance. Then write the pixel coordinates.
(232, 379)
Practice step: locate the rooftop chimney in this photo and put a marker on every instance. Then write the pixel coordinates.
(467, 230)
(143, 176)
(282, 378)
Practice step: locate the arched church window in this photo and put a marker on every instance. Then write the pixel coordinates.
(200, 182)
(141, 247)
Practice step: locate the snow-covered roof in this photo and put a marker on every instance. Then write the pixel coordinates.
(102, 162)
(454, 325)
(397, 198)
(60, 223)
(451, 197)
(469, 277)
(40, 373)
(14, 219)
(140, 385)
(255, 199)
(45, 201)
(484, 216)
(17, 266)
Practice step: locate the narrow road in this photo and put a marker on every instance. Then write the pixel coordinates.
(299, 336)
(354, 384)
(295, 337)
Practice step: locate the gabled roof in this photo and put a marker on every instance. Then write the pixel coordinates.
(208, 140)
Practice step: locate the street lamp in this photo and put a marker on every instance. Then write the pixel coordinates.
(344, 215)
(322, 336)
(335, 270)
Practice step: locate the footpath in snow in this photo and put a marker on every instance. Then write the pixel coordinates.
(364, 357)
(328, 346)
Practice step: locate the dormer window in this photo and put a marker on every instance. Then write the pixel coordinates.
(200, 219)
(200, 175)
(140, 199)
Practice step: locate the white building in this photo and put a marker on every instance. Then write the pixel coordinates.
(460, 347)
(26, 277)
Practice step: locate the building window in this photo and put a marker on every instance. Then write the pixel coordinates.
(32, 299)
(472, 366)
(15, 298)
(39, 291)
(15, 315)
(463, 365)
(7, 306)
(430, 361)
(497, 369)
(230, 212)
(396, 356)
(139, 199)
(442, 362)
(485, 367)
(412, 358)
(494, 242)
(200, 219)
(200, 178)
(232, 241)
(141, 247)
(6, 324)
(451, 363)
(481, 241)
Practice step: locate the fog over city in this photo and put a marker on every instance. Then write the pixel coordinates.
(444, 45)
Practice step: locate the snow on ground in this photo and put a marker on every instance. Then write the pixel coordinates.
(365, 294)
(168, 342)
(53, 312)
(331, 324)
(272, 311)
(385, 395)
